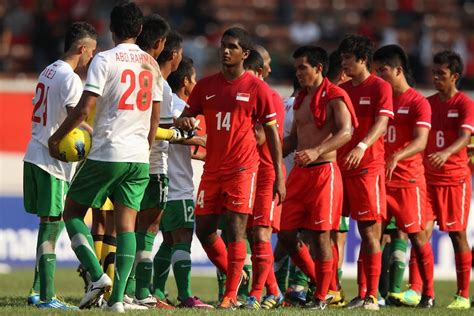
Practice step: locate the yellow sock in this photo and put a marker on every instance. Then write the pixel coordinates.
(98, 242)
(108, 263)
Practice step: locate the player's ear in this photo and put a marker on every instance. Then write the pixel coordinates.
(246, 53)
(260, 72)
(455, 76)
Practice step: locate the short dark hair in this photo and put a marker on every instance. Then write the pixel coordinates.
(452, 59)
(254, 61)
(126, 20)
(154, 28)
(185, 70)
(244, 38)
(334, 67)
(358, 45)
(394, 56)
(78, 31)
(174, 41)
(314, 55)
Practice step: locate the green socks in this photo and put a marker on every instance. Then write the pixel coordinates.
(221, 279)
(161, 267)
(124, 259)
(297, 277)
(45, 267)
(397, 265)
(281, 268)
(83, 246)
(144, 264)
(181, 261)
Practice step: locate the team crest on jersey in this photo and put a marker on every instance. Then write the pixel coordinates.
(364, 101)
(453, 113)
(243, 97)
(403, 110)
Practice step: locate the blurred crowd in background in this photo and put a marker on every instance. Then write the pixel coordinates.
(31, 31)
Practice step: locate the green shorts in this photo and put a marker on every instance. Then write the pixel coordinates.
(156, 192)
(43, 194)
(391, 225)
(344, 225)
(178, 214)
(123, 182)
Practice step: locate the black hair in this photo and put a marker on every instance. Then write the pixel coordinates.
(358, 45)
(243, 37)
(334, 67)
(314, 55)
(78, 31)
(154, 28)
(452, 59)
(254, 61)
(185, 70)
(394, 56)
(126, 20)
(174, 41)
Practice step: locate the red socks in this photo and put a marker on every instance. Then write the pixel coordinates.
(334, 286)
(463, 272)
(302, 259)
(361, 277)
(237, 251)
(424, 257)
(323, 278)
(416, 283)
(372, 268)
(262, 263)
(271, 283)
(217, 253)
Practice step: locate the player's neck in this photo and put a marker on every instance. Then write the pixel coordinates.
(72, 60)
(165, 70)
(232, 72)
(448, 93)
(400, 88)
(182, 94)
(360, 77)
(315, 86)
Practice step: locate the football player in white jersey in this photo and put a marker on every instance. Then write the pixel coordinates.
(123, 82)
(45, 179)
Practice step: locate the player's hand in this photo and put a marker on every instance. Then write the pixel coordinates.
(305, 157)
(53, 146)
(438, 159)
(187, 123)
(180, 135)
(353, 158)
(279, 189)
(391, 162)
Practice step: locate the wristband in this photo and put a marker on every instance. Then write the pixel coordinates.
(362, 146)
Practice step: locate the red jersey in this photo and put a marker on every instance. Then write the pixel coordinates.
(231, 109)
(411, 110)
(266, 162)
(447, 119)
(371, 98)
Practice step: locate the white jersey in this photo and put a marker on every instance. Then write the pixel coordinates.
(288, 103)
(58, 87)
(180, 173)
(127, 81)
(159, 149)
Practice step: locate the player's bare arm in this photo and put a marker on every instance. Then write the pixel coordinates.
(353, 158)
(340, 136)
(73, 120)
(291, 141)
(259, 134)
(196, 140)
(154, 122)
(84, 125)
(439, 158)
(418, 144)
(274, 144)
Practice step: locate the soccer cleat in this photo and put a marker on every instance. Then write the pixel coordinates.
(336, 299)
(118, 307)
(33, 298)
(134, 307)
(149, 301)
(194, 302)
(227, 303)
(251, 303)
(95, 290)
(356, 302)
(371, 303)
(460, 302)
(272, 301)
(86, 277)
(163, 304)
(407, 298)
(128, 299)
(316, 304)
(426, 302)
(381, 301)
(55, 303)
(392, 299)
(295, 298)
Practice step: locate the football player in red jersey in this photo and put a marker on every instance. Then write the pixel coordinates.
(231, 102)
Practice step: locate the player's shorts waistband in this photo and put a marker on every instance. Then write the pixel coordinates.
(316, 164)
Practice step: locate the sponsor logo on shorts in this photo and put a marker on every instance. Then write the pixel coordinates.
(362, 212)
(257, 217)
(451, 223)
(208, 97)
(408, 225)
(237, 203)
(319, 222)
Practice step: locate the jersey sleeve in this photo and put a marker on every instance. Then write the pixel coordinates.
(423, 113)
(264, 108)
(467, 115)
(195, 99)
(71, 90)
(385, 103)
(166, 108)
(97, 75)
(158, 88)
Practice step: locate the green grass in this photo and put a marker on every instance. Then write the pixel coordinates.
(14, 288)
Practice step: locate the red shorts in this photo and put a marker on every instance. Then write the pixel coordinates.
(313, 198)
(407, 205)
(364, 197)
(450, 204)
(266, 212)
(218, 193)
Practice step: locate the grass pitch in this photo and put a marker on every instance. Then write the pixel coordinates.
(15, 286)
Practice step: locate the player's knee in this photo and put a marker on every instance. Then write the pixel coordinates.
(459, 240)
